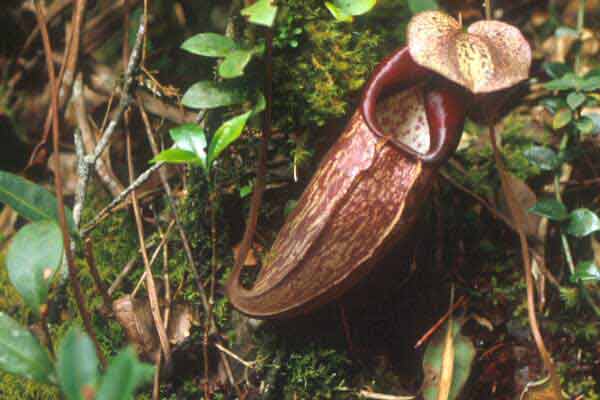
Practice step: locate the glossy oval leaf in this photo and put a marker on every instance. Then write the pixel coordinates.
(542, 157)
(35, 256)
(21, 354)
(551, 209)
(583, 222)
(77, 365)
(124, 374)
(464, 354)
(263, 12)
(177, 156)
(31, 201)
(234, 64)
(225, 135)
(562, 118)
(209, 45)
(192, 138)
(566, 82)
(586, 271)
(556, 70)
(575, 99)
(209, 94)
(590, 84)
(585, 125)
(341, 9)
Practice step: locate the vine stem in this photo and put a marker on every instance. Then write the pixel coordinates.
(533, 323)
(488, 9)
(261, 170)
(62, 218)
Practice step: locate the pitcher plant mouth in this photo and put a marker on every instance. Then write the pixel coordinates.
(365, 196)
(396, 76)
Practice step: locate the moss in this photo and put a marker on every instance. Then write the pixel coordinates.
(302, 369)
(320, 64)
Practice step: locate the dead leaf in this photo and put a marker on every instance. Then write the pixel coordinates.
(135, 316)
(489, 56)
(250, 256)
(525, 199)
(8, 217)
(541, 390)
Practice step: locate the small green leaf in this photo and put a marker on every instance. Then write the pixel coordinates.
(354, 7)
(177, 156)
(190, 137)
(575, 99)
(562, 119)
(21, 354)
(35, 256)
(567, 82)
(77, 365)
(209, 45)
(209, 94)
(556, 70)
(417, 6)
(583, 222)
(590, 84)
(338, 13)
(263, 12)
(586, 271)
(553, 104)
(31, 201)
(234, 64)
(551, 209)
(464, 354)
(124, 374)
(585, 125)
(542, 157)
(225, 135)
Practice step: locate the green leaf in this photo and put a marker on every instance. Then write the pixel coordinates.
(586, 271)
(263, 12)
(77, 365)
(208, 94)
(190, 137)
(553, 104)
(583, 222)
(562, 119)
(464, 354)
(542, 157)
(177, 156)
(590, 84)
(556, 70)
(225, 135)
(551, 209)
(338, 13)
(209, 45)
(234, 64)
(35, 256)
(351, 7)
(586, 125)
(417, 6)
(567, 82)
(31, 201)
(21, 354)
(124, 374)
(575, 99)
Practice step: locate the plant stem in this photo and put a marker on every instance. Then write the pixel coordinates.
(580, 26)
(488, 9)
(62, 218)
(516, 215)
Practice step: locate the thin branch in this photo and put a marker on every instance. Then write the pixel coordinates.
(121, 197)
(73, 272)
(134, 60)
(150, 286)
(526, 260)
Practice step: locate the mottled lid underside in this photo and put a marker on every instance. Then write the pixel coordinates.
(489, 56)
